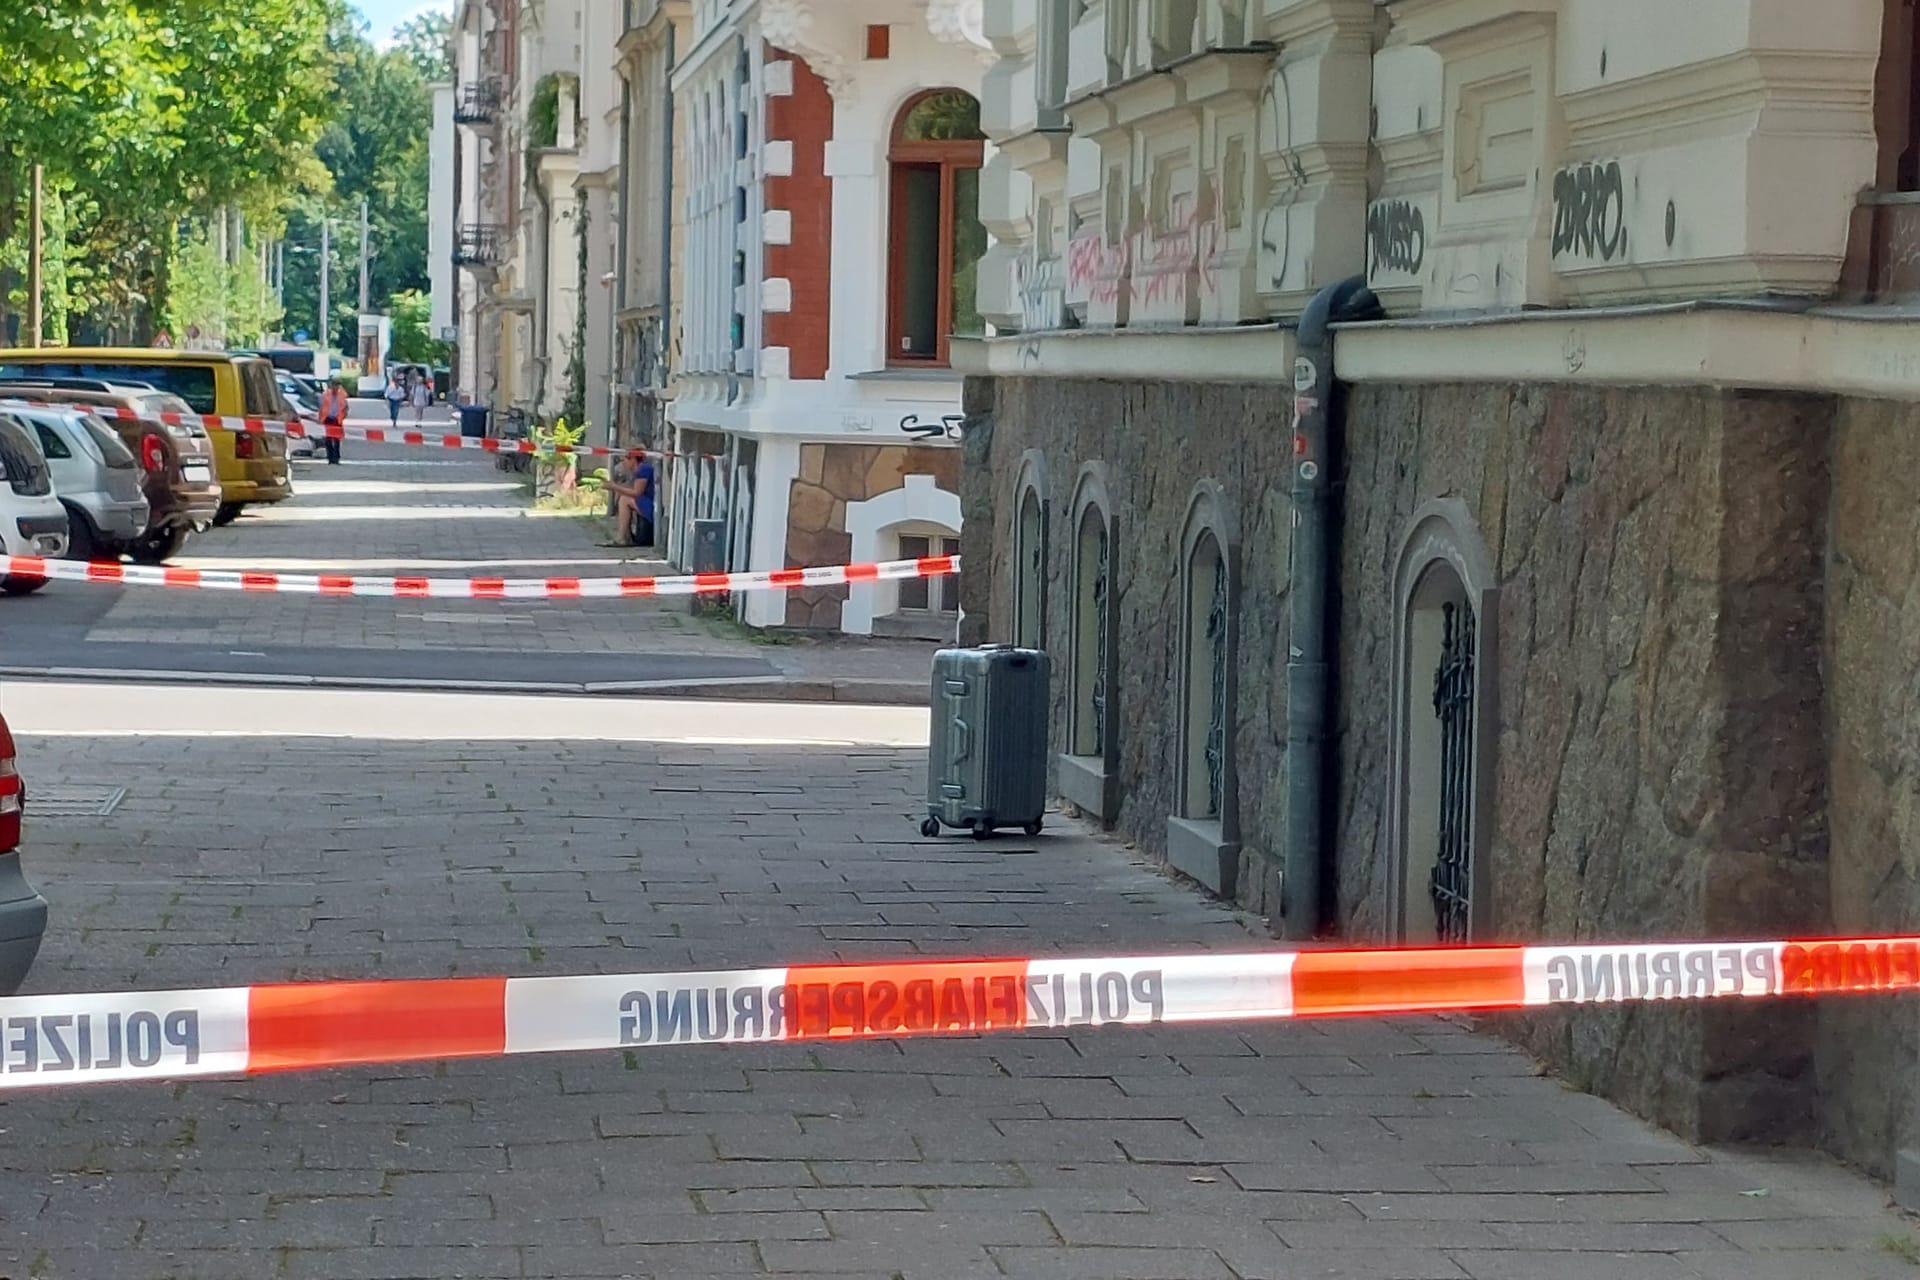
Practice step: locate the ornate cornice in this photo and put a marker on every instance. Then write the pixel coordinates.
(961, 22)
(795, 27)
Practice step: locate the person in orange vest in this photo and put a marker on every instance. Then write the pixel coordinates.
(333, 413)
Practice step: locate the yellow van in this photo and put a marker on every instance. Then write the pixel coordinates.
(251, 469)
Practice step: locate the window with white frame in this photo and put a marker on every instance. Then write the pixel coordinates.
(929, 596)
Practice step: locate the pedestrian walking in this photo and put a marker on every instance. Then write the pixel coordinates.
(333, 413)
(422, 397)
(396, 396)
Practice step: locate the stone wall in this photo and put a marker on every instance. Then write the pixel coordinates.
(831, 476)
(1160, 440)
(1659, 762)
(1869, 1048)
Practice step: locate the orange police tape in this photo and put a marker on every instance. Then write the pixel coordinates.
(95, 1038)
(113, 573)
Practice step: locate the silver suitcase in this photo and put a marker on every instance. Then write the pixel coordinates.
(987, 762)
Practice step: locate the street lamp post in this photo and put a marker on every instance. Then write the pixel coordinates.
(326, 281)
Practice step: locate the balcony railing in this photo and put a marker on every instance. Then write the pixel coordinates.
(480, 245)
(479, 102)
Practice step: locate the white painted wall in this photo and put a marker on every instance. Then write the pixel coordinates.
(874, 527)
(753, 397)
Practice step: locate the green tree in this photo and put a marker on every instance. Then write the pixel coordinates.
(148, 111)
(376, 149)
(413, 340)
(423, 38)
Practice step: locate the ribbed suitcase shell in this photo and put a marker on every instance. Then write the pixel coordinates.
(987, 763)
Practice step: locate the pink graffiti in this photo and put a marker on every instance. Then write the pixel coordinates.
(1169, 261)
(1153, 268)
(1094, 270)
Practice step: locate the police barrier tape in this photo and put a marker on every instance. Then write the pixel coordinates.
(95, 1038)
(301, 430)
(326, 584)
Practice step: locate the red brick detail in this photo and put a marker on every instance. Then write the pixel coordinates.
(804, 118)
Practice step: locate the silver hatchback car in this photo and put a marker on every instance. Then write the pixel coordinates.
(97, 478)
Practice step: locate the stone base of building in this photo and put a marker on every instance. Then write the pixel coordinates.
(1676, 633)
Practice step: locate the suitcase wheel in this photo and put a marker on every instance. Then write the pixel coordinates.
(1032, 828)
(930, 828)
(983, 832)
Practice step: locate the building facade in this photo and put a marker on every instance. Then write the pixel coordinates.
(650, 224)
(1545, 582)
(827, 180)
(522, 202)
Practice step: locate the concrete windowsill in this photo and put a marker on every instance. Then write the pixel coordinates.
(908, 373)
(1084, 781)
(1199, 848)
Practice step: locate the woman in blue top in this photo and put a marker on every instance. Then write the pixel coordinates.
(632, 485)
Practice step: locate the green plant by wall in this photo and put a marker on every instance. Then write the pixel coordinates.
(543, 114)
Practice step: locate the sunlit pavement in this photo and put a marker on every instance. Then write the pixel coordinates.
(303, 835)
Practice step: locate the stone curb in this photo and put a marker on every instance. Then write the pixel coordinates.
(876, 693)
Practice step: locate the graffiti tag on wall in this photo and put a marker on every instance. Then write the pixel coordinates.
(1590, 212)
(1094, 271)
(1396, 237)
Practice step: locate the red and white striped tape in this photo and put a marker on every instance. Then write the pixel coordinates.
(327, 584)
(301, 430)
(96, 1038)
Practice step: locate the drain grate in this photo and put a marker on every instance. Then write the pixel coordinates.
(73, 801)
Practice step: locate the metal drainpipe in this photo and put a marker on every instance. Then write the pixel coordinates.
(666, 230)
(1311, 577)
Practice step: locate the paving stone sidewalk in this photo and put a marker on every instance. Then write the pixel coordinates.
(1385, 1149)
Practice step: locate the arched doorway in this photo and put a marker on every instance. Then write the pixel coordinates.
(1444, 730)
(934, 234)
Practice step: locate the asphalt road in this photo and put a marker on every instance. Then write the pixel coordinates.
(388, 510)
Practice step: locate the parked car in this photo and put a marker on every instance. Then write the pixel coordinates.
(304, 399)
(32, 521)
(176, 459)
(251, 469)
(23, 913)
(96, 478)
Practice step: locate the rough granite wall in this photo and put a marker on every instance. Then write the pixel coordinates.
(1869, 1046)
(1660, 764)
(1660, 759)
(1159, 440)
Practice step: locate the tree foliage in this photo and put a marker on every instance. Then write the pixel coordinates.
(377, 149)
(413, 338)
(157, 120)
(423, 38)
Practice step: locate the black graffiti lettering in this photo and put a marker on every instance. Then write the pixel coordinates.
(1590, 211)
(1396, 236)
